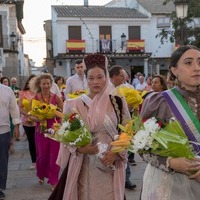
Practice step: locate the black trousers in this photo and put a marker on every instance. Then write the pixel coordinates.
(30, 133)
(4, 146)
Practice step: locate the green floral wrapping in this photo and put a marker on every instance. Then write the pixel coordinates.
(169, 141)
(72, 131)
(77, 138)
(172, 142)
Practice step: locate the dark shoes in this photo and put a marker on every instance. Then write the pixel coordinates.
(129, 185)
(132, 162)
(2, 195)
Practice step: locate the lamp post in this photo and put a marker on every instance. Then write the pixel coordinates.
(181, 13)
(13, 40)
(123, 40)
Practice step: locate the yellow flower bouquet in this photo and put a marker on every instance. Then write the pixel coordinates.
(132, 96)
(26, 104)
(77, 93)
(123, 140)
(42, 111)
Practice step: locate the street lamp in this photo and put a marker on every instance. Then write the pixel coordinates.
(123, 40)
(13, 40)
(181, 13)
(181, 8)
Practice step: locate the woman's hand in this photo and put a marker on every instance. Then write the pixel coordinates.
(109, 158)
(184, 165)
(196, 175)
(88, 149)
(35, 119)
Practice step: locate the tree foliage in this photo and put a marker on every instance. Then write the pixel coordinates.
(184, 31)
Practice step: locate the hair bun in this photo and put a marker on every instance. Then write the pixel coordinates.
(95, 59)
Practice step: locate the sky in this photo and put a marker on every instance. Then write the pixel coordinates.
(35, 13)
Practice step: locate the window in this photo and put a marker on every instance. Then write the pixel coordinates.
(163, 22)
(134, 32)
(105, 39)
(75, 35)
(134, 42)
(196, 22)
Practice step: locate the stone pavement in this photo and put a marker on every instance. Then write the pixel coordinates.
(23, 184)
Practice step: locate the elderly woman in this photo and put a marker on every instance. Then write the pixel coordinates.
(159, 83)
(88, 176)
(172, 178)
(46, 149)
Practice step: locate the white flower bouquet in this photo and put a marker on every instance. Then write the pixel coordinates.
(72, 131)
(152, 136)
(168, 141)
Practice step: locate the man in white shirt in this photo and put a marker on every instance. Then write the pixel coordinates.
(77, 81)
(141, 85)
(117, 78)
(55, 89)
(8, 106)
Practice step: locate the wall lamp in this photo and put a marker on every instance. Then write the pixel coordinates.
(123, 40)
(13, 38)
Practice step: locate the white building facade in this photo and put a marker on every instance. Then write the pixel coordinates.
(125, 31)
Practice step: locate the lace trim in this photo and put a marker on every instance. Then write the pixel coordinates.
(110, 127)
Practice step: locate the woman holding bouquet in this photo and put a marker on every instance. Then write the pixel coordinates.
(46, 149)
(25, 97)
(89, 175)
(176, 178)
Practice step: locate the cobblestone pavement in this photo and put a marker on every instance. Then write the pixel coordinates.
(23, 184)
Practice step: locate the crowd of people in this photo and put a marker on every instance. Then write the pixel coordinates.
(78, 173)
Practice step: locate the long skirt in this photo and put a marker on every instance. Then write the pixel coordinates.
(160, 185)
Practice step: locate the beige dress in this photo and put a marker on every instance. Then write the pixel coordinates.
(88, 178)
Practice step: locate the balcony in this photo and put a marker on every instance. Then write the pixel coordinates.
(105, 46)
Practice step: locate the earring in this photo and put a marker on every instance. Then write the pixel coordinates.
(176, 81)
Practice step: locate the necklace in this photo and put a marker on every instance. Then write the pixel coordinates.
(46, 99)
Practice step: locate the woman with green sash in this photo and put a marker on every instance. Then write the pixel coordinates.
(176, 178)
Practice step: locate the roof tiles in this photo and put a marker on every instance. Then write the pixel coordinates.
(97, 12)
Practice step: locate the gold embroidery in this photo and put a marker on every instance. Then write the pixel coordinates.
(116, 107)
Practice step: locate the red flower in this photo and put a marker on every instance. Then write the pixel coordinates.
(144, 120)
(160, 124)
(72, 117)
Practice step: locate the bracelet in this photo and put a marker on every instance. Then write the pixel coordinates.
(167, 162)
(28, 114)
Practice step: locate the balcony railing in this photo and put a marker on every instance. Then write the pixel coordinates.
(105, 46)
